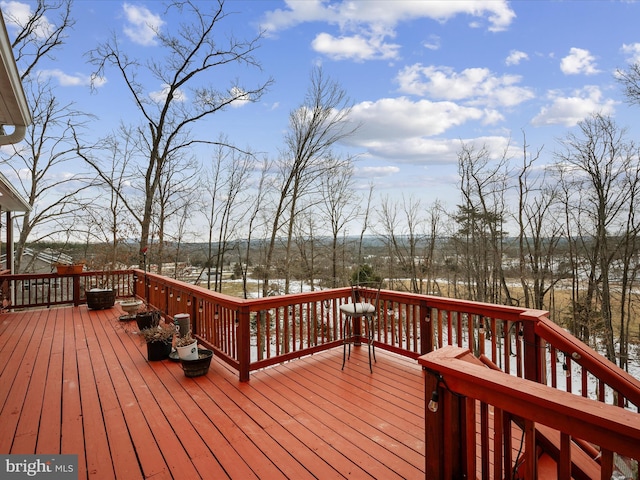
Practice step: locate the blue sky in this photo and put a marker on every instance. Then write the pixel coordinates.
(423, 75)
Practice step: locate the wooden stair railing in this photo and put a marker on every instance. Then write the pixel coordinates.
(582, 456)
(455, 447)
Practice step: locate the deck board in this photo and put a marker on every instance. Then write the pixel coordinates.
(77, 381)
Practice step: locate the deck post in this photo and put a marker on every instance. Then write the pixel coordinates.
(532, 353)
(76, 290)
(426, 329)
(135, 285)
(243, 337)
(444, 455)
(433, 431)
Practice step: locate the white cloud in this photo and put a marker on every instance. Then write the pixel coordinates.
(73, 80)
(376, 172)
(364, 26)
(433, 43)
(241, 97)
(159, 96)
(355, 47)
(296, 13)
(515, 57)
(407, 131)
(17, 14)
(476, 86)
(432, 151)
(579, 61)
(569, 110)
(143, 24)
(632, 51)
(403, 118)
(349, 13)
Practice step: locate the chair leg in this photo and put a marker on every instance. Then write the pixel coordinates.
(370, 345)
(373, 345)
(346, 333)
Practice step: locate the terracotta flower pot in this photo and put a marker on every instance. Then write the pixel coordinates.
(69, 269)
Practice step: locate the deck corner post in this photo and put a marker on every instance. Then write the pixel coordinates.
(426, 329)
(433, 432)
(134, 283)
(76, 290)
(243, 336)
(532, 353)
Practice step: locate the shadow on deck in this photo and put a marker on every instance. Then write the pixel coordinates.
(77, 381)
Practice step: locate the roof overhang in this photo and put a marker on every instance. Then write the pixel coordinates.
(14, 109)
(10, 199)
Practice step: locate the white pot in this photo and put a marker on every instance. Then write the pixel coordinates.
(190, 352)
(130, 306)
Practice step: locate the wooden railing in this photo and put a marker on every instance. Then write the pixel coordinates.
(49, 289)
(512, 422)
(252, 334)
(255, 333)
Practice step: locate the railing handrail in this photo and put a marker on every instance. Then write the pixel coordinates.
(586, 356)
(605, 425)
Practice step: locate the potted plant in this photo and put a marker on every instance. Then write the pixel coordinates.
(130, 307)
(158, 339)
(148, 317)
(199, 366)
(187, 347)
(68, 269)
(99, 298)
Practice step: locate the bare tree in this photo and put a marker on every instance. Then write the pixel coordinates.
(630, 82)
(38, 36)
(603, 167)
(481, 217)
(226, 185)
(314, 128)
(213, 185)
(231, 213)
(255, 205)
(434, 223)
(48, 149)
(48, 145)
(192, 55)
(305, 237)
(401, 224)
(182, 216)
(366, 215)
(175, 198)
(539, 231)
(338, 207)
(116, 225)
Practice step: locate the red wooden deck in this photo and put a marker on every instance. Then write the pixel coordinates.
(77, 381)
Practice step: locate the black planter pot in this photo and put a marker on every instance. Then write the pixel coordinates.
(158, 351)
(196, 368)
(101, 298)
(147, 320)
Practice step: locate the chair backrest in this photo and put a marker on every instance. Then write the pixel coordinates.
(366, 292)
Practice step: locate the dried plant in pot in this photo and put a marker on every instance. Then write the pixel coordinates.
(158, 340)
(148, 317)
(187, 347)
